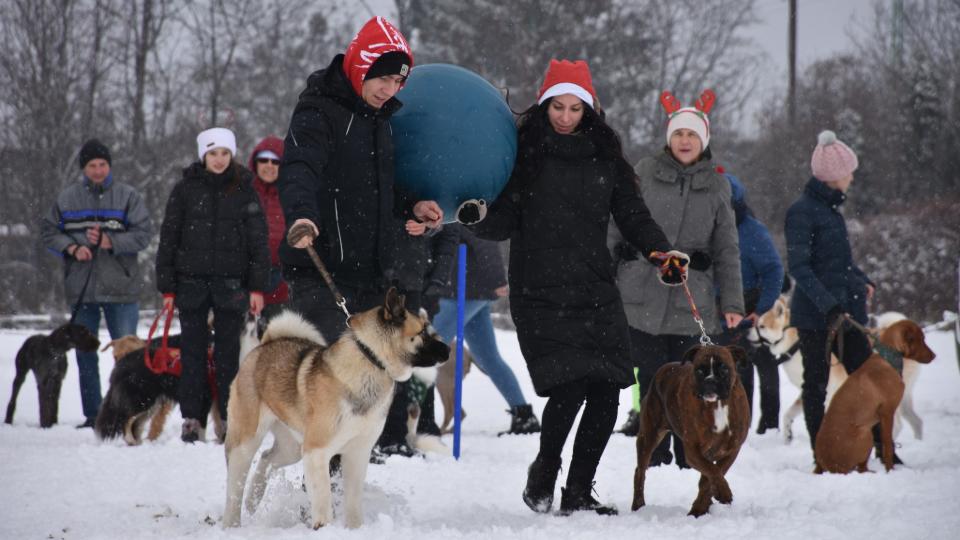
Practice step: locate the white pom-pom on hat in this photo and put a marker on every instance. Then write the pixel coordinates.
(832, 160)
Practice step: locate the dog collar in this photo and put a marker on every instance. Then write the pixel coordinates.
(368, 354)
(891, 356)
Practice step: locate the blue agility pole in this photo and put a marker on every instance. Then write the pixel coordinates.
(458, 380)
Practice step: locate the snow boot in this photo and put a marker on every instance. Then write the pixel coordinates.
(631, 428)
(577, 498)
(541, 480)
(523, 421)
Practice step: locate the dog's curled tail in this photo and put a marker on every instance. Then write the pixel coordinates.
(291, 325)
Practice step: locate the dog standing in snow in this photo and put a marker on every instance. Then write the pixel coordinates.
(46, 357)
(702, 401)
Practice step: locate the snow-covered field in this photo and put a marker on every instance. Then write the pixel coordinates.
(62, 483)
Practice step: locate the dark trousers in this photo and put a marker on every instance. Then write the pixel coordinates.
(195, 395)
(649, 352)
(816, 370)
(768, 374)
(596, 426)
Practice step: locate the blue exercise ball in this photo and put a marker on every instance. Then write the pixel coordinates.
(454, 138)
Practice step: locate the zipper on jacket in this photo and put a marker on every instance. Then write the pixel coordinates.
(336, 219)
(350, 123)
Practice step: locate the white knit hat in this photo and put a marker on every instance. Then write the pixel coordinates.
(216, 138)
(692, 119)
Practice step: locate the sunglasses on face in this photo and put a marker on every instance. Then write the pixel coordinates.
(268, 160)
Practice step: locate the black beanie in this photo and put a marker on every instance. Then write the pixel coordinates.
(93, 149)
(391, 63)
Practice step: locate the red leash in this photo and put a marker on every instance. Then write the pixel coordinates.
(165, 359)
(704, 338)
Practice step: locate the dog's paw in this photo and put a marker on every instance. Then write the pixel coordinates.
(723, 494)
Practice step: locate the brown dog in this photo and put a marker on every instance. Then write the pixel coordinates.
(124, 345)
(869, 396)
(701, 400)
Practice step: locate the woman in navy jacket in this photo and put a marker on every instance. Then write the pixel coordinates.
(828, 283)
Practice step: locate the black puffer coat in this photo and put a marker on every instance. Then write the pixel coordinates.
(337, 171)
(213, 227)
(563, 296)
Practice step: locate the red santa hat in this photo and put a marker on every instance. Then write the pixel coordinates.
(566, 77)
(375, 39)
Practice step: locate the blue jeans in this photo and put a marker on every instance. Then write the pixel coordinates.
(478, 335)
(121, 321)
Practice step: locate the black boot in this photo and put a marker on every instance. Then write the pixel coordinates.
(631, 428)
(523, 421)
(541, 480)
(878, 446)
(578, 498)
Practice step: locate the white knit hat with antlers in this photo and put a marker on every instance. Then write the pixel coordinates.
(693, 118)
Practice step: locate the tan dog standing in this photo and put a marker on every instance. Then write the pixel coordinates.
(870, 395)
(320, 401)
(702, 401)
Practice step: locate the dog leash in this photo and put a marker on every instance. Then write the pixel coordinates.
(704, 338)
(83, 291)
(296, 233)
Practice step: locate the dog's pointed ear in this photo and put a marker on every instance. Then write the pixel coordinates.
(691, 352)
(739, 353)
(393, 306)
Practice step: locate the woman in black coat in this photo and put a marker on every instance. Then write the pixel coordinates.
(213, 254)
(569, 178)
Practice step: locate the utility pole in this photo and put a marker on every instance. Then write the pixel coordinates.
(792, 63)
(896, 27)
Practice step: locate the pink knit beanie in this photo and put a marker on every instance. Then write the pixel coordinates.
(832, 160)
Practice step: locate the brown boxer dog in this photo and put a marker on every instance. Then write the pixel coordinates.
(869, 396)
(701, 400)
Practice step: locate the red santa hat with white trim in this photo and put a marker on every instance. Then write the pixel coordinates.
(566, 77)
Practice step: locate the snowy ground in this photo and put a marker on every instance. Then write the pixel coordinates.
(62, 483)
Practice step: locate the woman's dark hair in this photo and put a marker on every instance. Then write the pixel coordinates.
(533, 125)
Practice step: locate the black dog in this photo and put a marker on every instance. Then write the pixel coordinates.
(46, 356)
(135, 394)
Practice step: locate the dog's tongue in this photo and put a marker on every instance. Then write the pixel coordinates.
(710, 397)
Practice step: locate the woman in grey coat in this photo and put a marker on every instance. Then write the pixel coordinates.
(690, 200)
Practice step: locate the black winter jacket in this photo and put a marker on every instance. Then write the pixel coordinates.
(563, 296)
(485, 268)
(213, 227)
(337, 171)
(820, 260)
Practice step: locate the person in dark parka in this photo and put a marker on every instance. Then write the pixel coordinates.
(569, 178)
(828, 284)
(213, 254)
(337, 178)
(762, 276)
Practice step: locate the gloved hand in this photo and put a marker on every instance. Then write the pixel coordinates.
(302, 233)
(835, 317)
(672, 266)
(472, 211)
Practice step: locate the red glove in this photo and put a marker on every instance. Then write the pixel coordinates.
(671, 266)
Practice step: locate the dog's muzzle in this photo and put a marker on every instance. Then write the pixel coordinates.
(432, 352)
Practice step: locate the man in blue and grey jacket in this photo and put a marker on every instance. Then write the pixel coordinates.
(98, 226)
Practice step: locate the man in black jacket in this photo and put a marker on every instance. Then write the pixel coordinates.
(337, 177)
